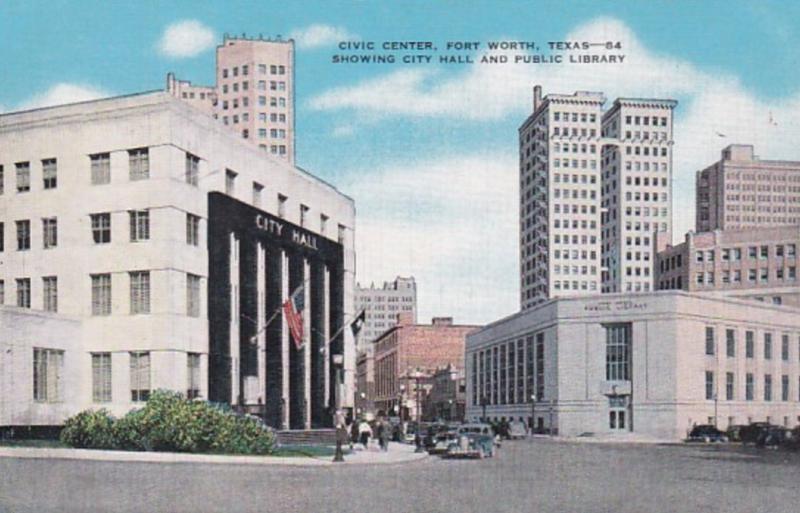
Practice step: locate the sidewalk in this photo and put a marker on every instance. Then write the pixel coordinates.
(397, 453)
(607, 438)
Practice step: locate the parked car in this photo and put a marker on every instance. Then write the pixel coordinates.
(517, 430)
(442, 442)
(773, 436)
(734, 433)
(706, 433)
(749, 434)
(471, 445)
(480, 429)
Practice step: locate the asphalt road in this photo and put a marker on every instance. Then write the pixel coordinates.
(527, 476)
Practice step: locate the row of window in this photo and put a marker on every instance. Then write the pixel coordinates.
(139, 221)
(274, 69)
(750, 338)
(749, 389)
(753, 252)
(509, 373)
(48, 376)
(261, 85)
(139, 283)
(753, 275)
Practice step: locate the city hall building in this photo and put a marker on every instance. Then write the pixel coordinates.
(654, 364)
(144, 246)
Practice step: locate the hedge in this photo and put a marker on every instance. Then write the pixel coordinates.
(170, 422)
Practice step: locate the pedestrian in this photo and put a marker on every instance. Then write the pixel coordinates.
(384, 436)
(364, 433)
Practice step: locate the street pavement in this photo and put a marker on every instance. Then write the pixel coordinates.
(527, 476)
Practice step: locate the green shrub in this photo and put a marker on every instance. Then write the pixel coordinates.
(90, 429)
(169, 422)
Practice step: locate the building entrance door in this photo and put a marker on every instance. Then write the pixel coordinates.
(618, 418)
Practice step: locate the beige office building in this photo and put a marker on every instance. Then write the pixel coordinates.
(382, 306)
(253, 94)
(594, 192)
(743, 191)
(652, 364)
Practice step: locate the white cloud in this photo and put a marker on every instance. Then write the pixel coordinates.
(344, 130)
(458, 241)
(319, 35)
(711, 102)
(62, 93)
(186, 38)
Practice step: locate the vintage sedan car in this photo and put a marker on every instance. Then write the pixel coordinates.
(516, 430)
(471, 445)
(442, 442)
(773, 436)
(749, 434)
(706, 433)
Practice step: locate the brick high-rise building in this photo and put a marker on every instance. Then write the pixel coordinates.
(253, 94)
(594, 192)
(743, 191)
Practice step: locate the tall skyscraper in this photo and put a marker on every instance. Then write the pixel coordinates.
(742, 191)
(637, 185)
(594, 192)
(560, 196)
(253, 94)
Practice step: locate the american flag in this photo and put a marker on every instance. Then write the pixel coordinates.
(293, 312)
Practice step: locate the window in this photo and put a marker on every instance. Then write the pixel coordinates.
(749, 344)
(257, 190)
(47, 374)
(101, 228)
(140, 376)
(101, 377)
(193, 375)
(323, 223)
(709, 340)
(767, 346)
(2, 181)
(192, 169)
(230, 182)
(710, 385)
(303, 215)
(192, 230)
(729, 381)
(101, 168)
(785, 387)
(24, 292)
(101, 294)
(768, 387)
(341, 233)
(140, 225)
(730, 343)
(139, 164)
(49, 174)
(50, 232)
(749, 392)
(192, 295)
(618, 343)
(23, 235)
(2, 292)
(2, 237)
(540, 367)
(140, 292)
(785, 348)
(282, 205)
(50, 293)
(23, 176)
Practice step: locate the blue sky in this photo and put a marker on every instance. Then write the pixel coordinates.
(429, 152)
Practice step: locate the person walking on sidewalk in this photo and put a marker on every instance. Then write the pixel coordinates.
(364, 433)
(385, 434)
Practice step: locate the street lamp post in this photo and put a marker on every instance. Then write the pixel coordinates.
(716, 405)
(533, 412)
(449, 409)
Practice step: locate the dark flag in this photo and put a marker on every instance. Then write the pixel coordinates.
(358, 322)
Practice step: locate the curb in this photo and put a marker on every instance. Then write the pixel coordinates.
(171, 457)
